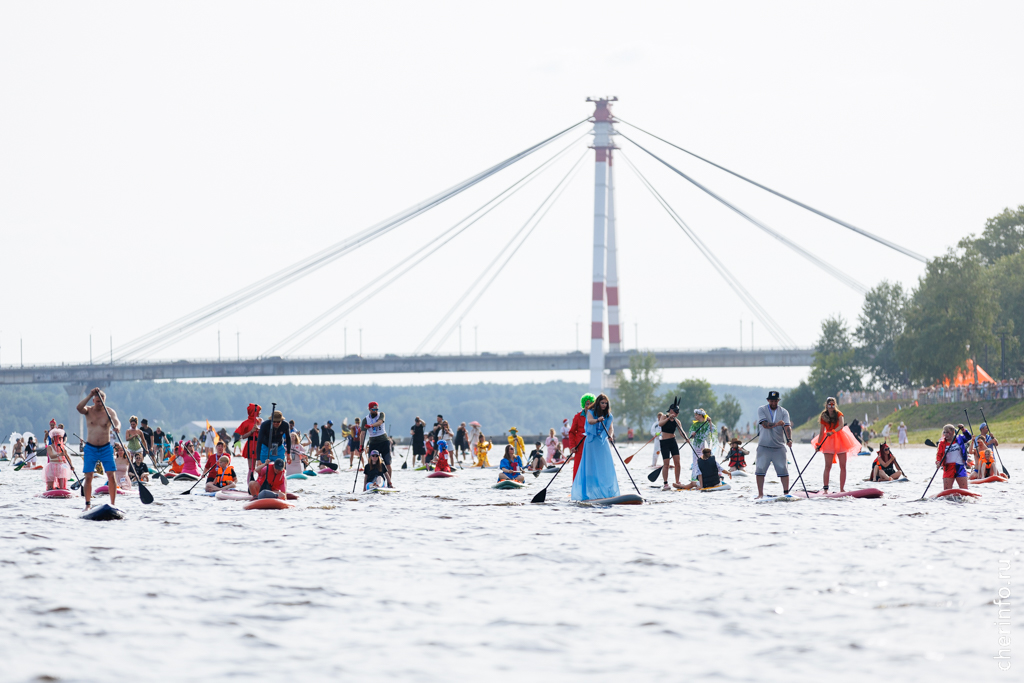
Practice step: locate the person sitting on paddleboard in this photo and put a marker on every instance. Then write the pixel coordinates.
(710, 471)
(984, 460)
(375, 473)
(536, 461)
(483, 447)
(951, 455)
(270, 481)
(884, 468)
(667, 424)
(137, 470)
(702, 435)
(511, 466)
(442, 457)
(222, 476)
(737, 456)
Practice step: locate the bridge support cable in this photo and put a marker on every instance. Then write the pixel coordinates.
(475, 286)
(746, 297)
(248, 295)
(847, 280)
(397, 270)
(865, 233)
(494, 276)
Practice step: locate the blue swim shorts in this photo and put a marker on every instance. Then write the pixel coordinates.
(103, 454)
(265, 453)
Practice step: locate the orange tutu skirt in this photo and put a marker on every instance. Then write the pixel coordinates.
(839, 442)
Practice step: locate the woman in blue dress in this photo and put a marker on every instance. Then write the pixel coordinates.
(596, 476)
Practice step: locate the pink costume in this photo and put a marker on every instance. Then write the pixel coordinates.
(191, 465)
(57, 471)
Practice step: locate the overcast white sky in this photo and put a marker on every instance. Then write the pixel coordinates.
(156, 156)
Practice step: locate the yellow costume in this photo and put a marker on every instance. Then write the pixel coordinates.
(516, 441)
(482, 449)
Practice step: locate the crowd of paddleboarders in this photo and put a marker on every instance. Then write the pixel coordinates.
(274, 451)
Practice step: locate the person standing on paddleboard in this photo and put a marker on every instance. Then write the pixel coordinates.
(667, 424)
(951, 455)
(775, 437)
(840, 441)
(275, 439)
(97, 445)
(596, 475)
(375, 436)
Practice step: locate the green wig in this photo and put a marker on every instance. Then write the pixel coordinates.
(585, 399)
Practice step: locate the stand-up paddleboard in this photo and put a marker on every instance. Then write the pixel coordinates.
(56, 493)
(549, 470)
(291, 496)
(106, 489)
(231, 494)
(327, 470)
(628, 499)
(788, 498)
(724, 486)
(859, 493)
(309, 473)
(740, 473)
(954, 493)
(419, 469)
(103, 513)
(380, 490)
(994, 479)
(266, 504)
(297, 476)
(210, 494)
(509, 484)
(186, 477)
(439, 475)
(886, 481)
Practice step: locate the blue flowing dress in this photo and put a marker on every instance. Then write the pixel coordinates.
(596, 475)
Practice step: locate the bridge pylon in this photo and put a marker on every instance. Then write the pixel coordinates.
(605, 270)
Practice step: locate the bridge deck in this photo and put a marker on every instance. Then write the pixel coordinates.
(391, 364)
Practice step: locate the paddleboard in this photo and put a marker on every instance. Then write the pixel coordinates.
(232, 495)
(105, 489)
(778, 499)
(297, 476)
(953, 493)
(628, 499)
(549, 470)
(724, 486)
(103, 513)
(740, 473)
(859, 493)
(419, 469)
(291, 496)
(380, 490)
(309, 473)
(267, 504)
(994, 479)
(210, 494)
(508, 484)
(56, 493)
(186, 477)
(439, 475)
(327, 470)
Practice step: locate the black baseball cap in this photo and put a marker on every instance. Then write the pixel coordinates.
(279, 464)
(773, 396)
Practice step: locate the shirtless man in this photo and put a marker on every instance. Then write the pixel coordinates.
(97, 446)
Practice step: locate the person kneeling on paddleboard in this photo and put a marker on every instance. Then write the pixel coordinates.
(375, 473)
(737, 456)
(270, 481)
(951, 455)
(511, 466)
(884, 468)
(442, 457)
(710, 470)
(222, 476)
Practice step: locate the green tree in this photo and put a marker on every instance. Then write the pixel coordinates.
(879, 324)
(953, 306)
(1003, 236)
(693, 394)
(728, 411)
(834, 368)
(1006, 278)
(636, 401)
(801, 403)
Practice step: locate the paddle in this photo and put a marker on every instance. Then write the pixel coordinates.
(994, 447)
(159, 473)
(144, 495)
(543, 493)
(800, 472)
(629, 459)
(653, 476)
(929, 442)
(77, 486)
(612, 442)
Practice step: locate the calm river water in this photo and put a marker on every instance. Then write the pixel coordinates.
(452, 580)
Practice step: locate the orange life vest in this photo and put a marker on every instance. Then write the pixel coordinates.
(224, 476)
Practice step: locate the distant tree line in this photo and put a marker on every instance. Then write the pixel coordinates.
(969, 304)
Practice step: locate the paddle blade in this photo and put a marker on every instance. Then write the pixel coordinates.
(17, 468)
(77, 485)
(653, 476)
(164, 480)
(629, 459)
(929, 443)
(536, 473)
(1005, 473)
(405, 465)
(144, 495)
(541, 496)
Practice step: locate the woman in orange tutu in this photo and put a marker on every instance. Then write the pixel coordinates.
(834, 440)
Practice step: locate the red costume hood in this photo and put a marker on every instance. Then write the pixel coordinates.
(248, 425)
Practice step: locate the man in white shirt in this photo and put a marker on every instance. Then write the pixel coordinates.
(776, 435)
